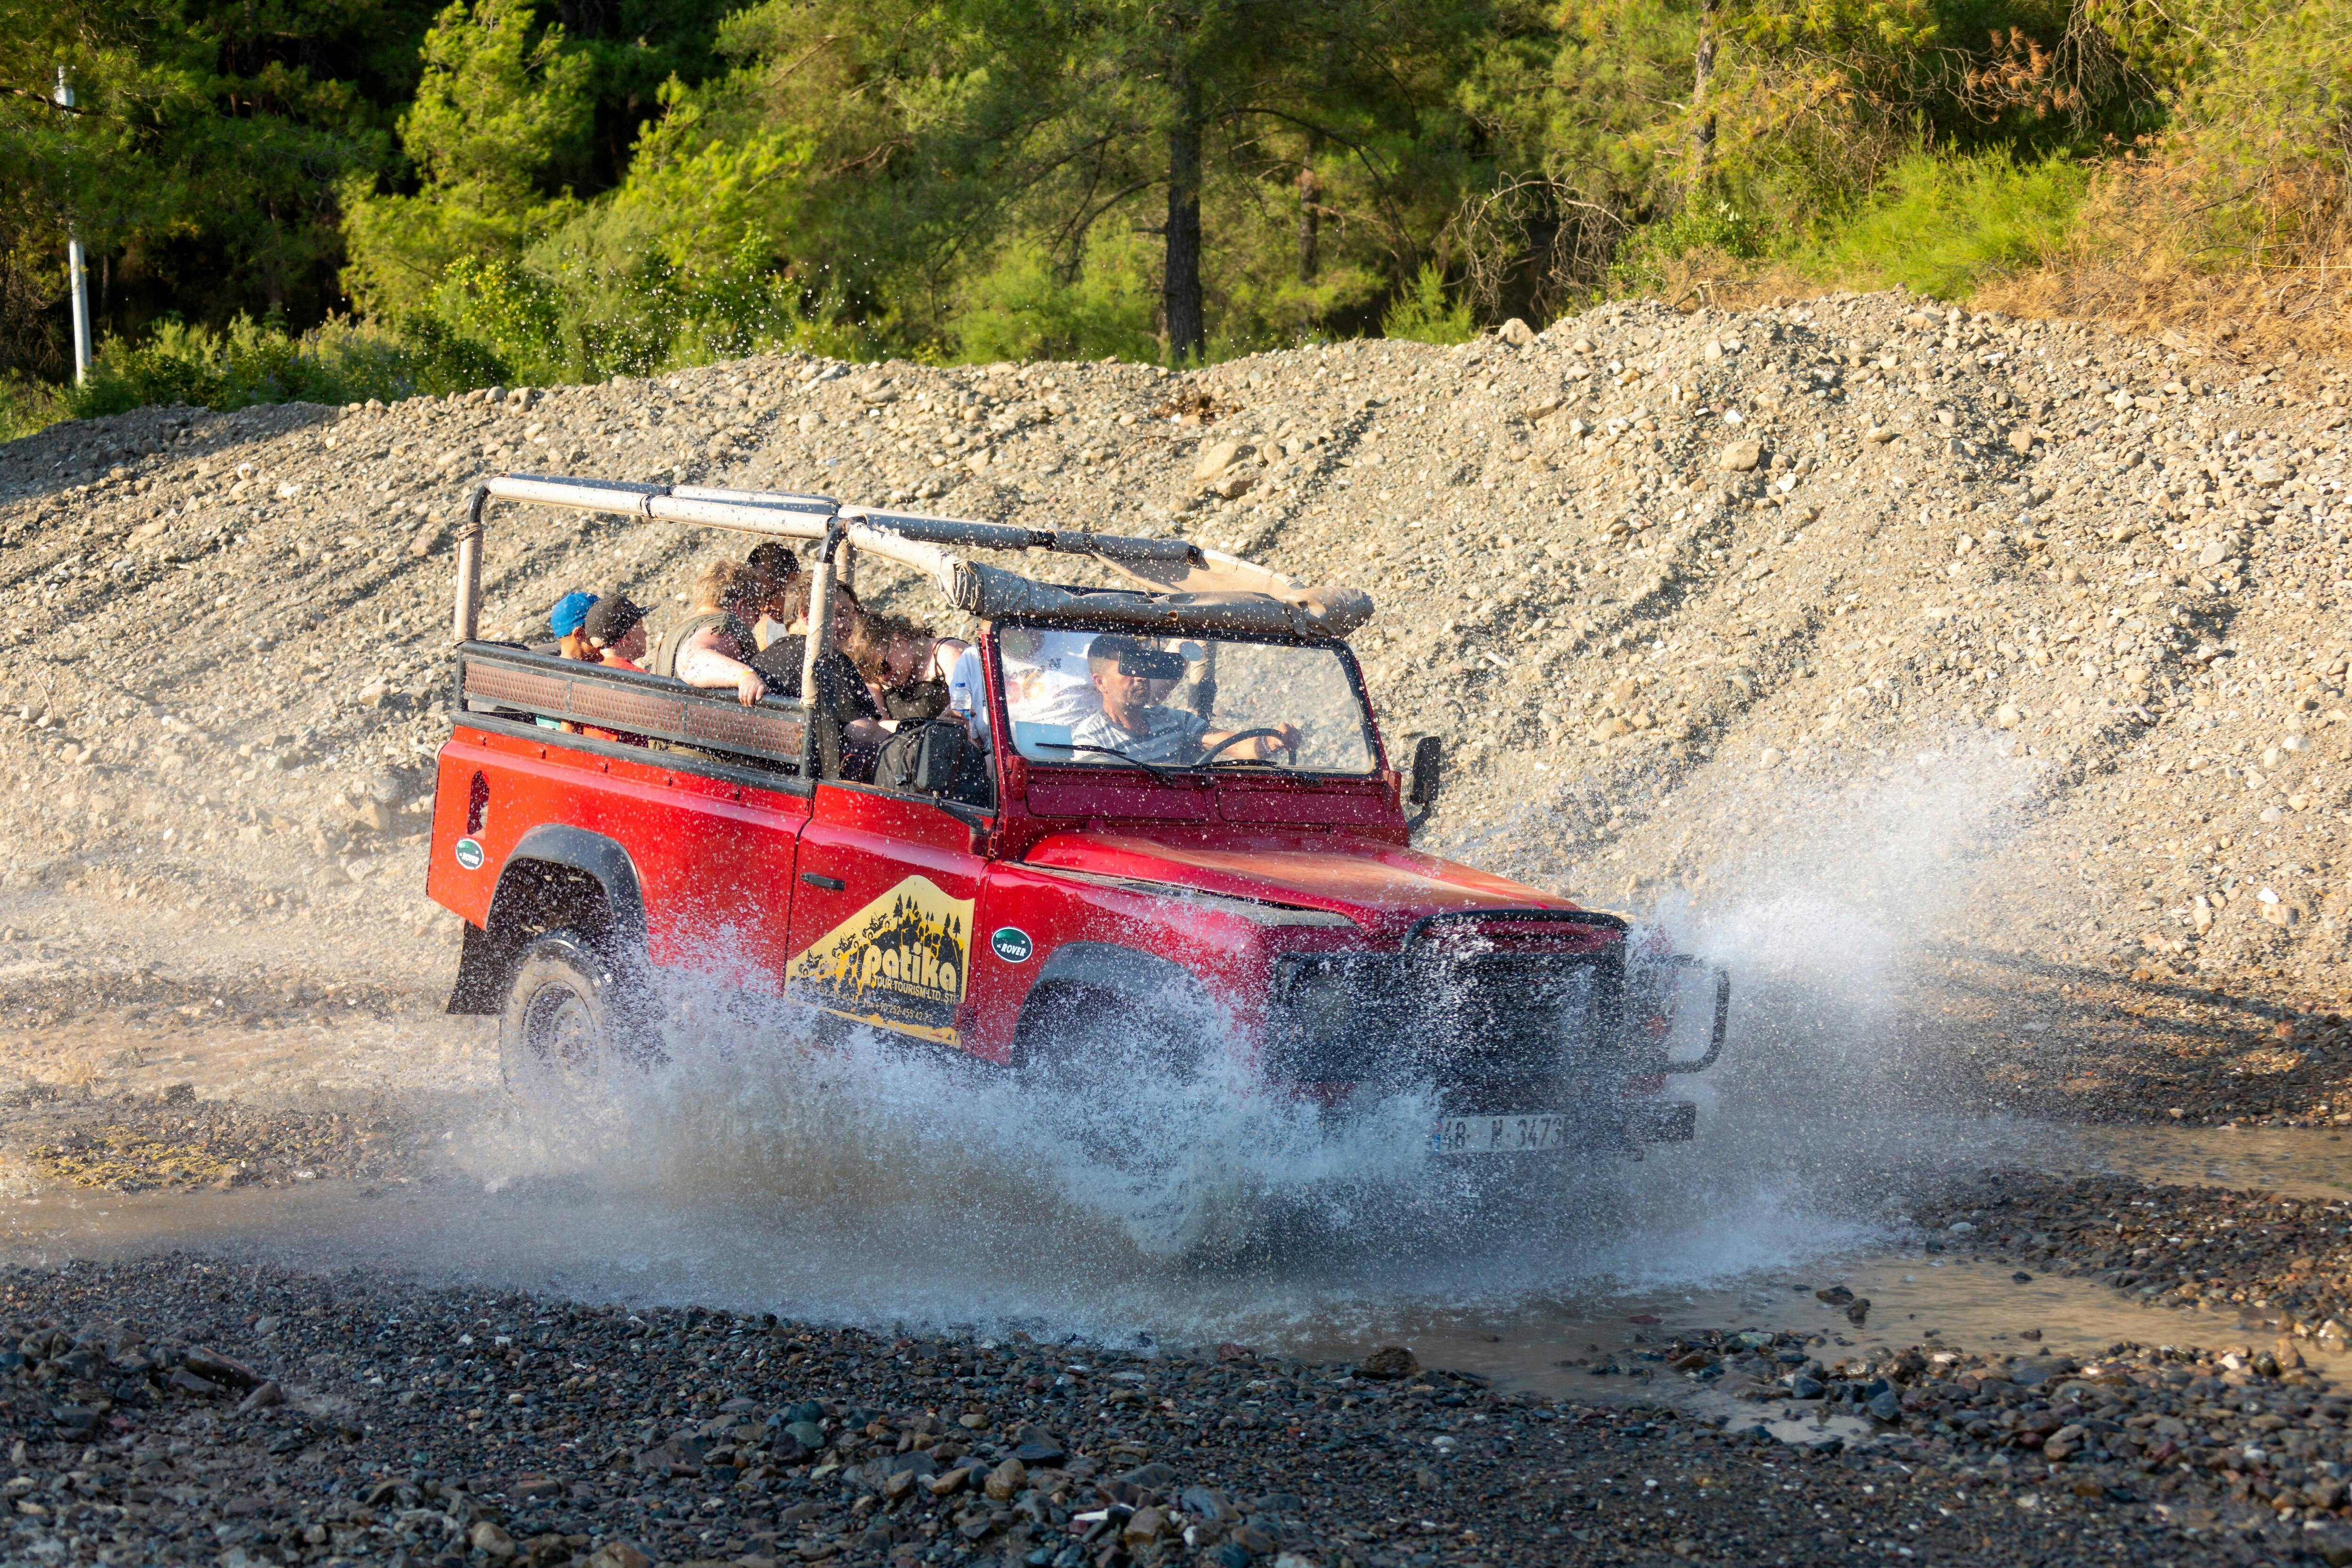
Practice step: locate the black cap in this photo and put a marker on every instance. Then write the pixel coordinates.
(609, 618)
(1135, 656)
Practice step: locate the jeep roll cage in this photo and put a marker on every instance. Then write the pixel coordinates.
(1182, 587)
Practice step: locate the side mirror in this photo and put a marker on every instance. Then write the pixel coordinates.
(938, 758)
(1428, 770)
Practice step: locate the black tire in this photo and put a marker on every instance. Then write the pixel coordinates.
(1078, 1037)
(573, 1019)
(1082, 1051)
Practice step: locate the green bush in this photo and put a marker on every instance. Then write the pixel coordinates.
(27, 407)
(1022, 308)
(252, 362)
(1943, 224)
(1421, 313)
(1710, 222)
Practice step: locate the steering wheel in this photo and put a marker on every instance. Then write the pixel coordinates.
(1236, 738)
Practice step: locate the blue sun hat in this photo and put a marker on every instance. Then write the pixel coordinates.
(570, 611)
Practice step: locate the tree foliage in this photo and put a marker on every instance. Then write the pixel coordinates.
(498, 102)
(581, 187)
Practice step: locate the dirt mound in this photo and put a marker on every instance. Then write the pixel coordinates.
(1853, 628)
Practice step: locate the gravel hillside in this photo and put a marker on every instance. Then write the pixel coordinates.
(2016, 648)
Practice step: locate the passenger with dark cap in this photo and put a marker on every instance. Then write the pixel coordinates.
(615, 628)
(1136, 726)
(615, 631)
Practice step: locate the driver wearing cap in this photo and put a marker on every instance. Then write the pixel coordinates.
(1132, 675)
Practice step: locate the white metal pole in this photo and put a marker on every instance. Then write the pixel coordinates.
(74, 274)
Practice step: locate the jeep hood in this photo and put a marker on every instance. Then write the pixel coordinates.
(1379, 887)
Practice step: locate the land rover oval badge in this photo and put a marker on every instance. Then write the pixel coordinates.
(1011, 945)
(469, 854)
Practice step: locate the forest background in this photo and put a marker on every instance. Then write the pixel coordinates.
(338, 199)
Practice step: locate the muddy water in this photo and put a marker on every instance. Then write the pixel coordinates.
(1529, 1312)
(864, 1187)
(2294, 1162)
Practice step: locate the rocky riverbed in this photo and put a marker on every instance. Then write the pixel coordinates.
(199, 1410)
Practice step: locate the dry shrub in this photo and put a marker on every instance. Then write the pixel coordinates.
(2144, 257)
(1719, 281)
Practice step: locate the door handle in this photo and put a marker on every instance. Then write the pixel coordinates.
(829, 884)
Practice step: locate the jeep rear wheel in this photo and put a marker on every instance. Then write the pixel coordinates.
(570, 1021)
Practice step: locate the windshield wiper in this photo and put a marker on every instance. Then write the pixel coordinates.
(1152, 768)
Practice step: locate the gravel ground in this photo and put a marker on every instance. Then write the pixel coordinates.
(2014, 647)
(2002, 662)
(192, 1410)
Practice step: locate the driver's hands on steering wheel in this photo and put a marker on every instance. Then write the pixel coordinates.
(1256, 745)
(1285, 738)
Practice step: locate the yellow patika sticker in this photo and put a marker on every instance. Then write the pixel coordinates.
(899, 963)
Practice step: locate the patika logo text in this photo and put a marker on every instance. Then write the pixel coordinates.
(899, 963)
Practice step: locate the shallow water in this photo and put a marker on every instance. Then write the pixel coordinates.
(1616, 1272)
(2294, 1162)
(853, 1181)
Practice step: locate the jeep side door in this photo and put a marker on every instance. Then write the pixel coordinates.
(884, 910)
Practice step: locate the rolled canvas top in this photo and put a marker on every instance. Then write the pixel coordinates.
(1179, 586)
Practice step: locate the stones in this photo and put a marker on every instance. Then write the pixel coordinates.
(1005, 1481)
(2021, 441)
(1515, 332)
(1037, 1445)
(1386, 1362)
(492, 1540)
(1208, 1504)
(1739, 457)
(1216, 456)
(1144, 1527)
(263, 1396)
(619, 1554)
(219, 1369)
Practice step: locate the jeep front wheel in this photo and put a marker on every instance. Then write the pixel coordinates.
(567, 1021)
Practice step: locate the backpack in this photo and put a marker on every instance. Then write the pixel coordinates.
(900, 762)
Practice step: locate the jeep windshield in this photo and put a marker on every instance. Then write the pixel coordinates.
(1086, 698)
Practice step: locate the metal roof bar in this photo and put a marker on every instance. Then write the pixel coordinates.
(1216, 591)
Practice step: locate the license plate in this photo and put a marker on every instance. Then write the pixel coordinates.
(1515, 1134)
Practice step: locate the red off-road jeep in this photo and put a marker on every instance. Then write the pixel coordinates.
(1164, 825)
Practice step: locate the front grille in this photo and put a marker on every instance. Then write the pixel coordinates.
(1491, 1030)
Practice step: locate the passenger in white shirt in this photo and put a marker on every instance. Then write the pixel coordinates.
(1045, 676)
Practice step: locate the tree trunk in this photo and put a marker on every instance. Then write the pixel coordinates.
(1310, 192)
(1703, 128)
(1188, 328)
